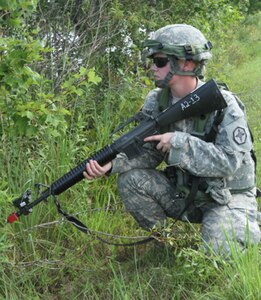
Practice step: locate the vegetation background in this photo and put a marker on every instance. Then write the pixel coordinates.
(70, 72)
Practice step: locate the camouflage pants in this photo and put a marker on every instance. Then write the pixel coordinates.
(151, 197)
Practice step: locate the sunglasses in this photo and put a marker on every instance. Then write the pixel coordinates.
(160, 62)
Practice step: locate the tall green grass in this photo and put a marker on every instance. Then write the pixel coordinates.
(43, 257)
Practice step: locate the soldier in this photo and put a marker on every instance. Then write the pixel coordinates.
(209, 158)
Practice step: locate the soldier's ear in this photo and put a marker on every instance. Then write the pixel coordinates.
(189, 65)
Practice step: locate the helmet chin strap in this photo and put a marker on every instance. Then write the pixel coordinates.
(175, 70)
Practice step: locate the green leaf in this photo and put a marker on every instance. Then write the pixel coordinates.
(92, 77)
(29, 115)
(83, 71)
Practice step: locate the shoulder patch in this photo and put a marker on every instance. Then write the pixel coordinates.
(240, 135)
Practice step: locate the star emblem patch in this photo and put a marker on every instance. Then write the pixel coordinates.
(240, 135)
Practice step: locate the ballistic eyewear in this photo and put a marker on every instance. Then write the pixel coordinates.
(160, 62)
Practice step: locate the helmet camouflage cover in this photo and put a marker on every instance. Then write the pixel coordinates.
(180, 40)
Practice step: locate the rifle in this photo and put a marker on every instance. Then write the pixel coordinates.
(203, 100)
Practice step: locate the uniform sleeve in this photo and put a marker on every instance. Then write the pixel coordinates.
(221, 159)
(150, 157)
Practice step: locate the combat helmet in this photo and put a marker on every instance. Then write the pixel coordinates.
(180, 41)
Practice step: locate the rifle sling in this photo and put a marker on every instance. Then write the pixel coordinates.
(82, 227)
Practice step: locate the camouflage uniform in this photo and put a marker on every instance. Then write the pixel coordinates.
(225, 204)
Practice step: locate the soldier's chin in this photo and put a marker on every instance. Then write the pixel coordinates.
(159, 83)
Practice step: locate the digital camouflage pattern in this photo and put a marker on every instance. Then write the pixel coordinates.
(227, 204)
(181, 40)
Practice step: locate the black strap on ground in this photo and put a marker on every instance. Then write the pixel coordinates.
(82, 227)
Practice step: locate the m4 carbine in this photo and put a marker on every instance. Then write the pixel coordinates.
(203, 100)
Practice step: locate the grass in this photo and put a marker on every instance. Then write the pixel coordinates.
(56, 261)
